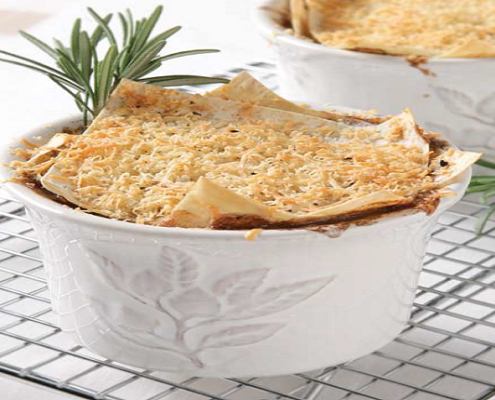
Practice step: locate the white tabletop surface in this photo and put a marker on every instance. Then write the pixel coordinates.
(28, 99)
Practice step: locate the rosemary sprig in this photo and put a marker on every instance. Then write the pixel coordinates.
(82, 72)
(485, 185)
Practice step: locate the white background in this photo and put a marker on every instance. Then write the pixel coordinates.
(28, 99)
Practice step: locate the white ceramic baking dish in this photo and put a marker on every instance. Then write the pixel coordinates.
(453, 96)
(211, 303)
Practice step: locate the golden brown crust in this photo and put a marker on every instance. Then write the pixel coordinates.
(237, 222)
(464, 28)
(299, 17)
(167, 158)
(244, 88)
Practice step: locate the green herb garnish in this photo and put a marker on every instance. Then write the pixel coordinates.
(90, 77)
(485, 185)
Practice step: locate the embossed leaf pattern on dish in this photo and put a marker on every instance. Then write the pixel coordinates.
(455, 101)
(111, 271)
(179, 268)
(194, 302)
(141, 327)
(461, 104)
(486, 107)
(142, 285)
(148, 285)
(239, 287)
(135, 320)
(279, 298)
(240, 335)
(224, 310)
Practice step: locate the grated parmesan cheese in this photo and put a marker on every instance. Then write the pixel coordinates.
(252, 234)
(150, 146)
(460, 28)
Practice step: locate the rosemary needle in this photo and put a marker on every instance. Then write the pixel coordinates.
(89, 74)
(485, 185)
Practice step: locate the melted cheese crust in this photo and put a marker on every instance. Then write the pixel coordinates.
(454, 28)
(138, 164)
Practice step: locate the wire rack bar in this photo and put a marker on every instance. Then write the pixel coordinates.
(446, 352)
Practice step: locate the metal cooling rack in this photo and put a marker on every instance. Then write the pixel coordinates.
(446, 352)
